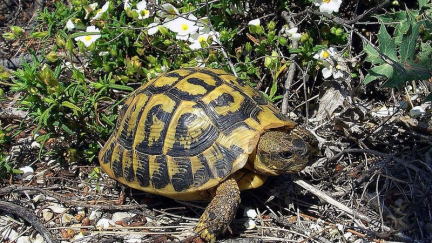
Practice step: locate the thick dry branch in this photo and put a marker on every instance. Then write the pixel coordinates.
(291, 69)
(29, 217)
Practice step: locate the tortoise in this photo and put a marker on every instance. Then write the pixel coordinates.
(202, 134)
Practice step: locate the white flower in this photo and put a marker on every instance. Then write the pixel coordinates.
(168, 11)
(127, 5)
(255, 22)
(329, 58)
(153, 27)
(99, 12)
(183, 27)
(89, 9)
(143, 13)
(330, 70)
(70, 25)
(198, 38)
(89, 39)
(328, 6)
(293, 35)
(326, 53)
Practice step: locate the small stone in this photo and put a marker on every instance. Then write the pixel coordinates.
(27, 173)
(24, 239)
(417, 111)
(104, 223)
(250, 224)
(39, 239)
(347, 235)
(66, 218)
(35, 145)
(94, 215)
(47, 214)
(39, 198)
(122, 216)
(56, 208)
(384, 112)
(250, 213)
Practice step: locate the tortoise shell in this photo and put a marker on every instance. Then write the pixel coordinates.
(184, 132)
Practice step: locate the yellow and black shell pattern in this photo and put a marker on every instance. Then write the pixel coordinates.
(186, 131)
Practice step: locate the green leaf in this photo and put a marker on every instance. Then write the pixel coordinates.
(422, 3)
(397, 80)
(381, 71)
(120, 87)
(387, 43)
(408, 44)
(373, 55)
(45, 115)
(67, 129)
(49, 100)
(71, 106)
(425, 55)
(273, 89)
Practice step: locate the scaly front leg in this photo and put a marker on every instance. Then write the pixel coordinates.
(220, 212)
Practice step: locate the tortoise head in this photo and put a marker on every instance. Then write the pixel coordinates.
(280, 152)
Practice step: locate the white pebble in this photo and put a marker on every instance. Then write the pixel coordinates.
(27, 173)
(39, 239)
(250, 224)
(250, 213)
(66, 218)
(94, 215)
(23, 239)
(104, 223)
(35, 145)
(47, 214)
(417, 111)
(39, 198)
(347, 235)
(56, 208)
(122, 216)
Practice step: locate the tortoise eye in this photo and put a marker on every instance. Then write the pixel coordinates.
(285, 154)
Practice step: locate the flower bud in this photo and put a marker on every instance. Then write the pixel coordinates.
(163, 30)
(248, 47)
(271, 25)
(17, 30)
(339, 32)
(152, 59)
(52, 56)
(9, 36)
(69, 45)
(39, 34)
(60, 41)
(283, 41)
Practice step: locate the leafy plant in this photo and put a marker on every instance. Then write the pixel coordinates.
(402, 58)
